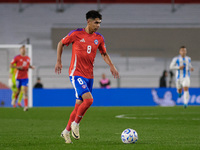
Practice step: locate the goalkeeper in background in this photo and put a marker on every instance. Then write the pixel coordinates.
(13, 86)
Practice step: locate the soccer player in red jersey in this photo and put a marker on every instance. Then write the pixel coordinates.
(22, 65)
(85, 42)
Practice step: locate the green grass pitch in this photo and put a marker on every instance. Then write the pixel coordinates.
(158, 128)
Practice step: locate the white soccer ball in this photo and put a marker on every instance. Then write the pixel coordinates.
(129, 136)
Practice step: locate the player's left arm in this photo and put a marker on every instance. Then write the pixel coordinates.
(190, 65)
(113, 69)
(106, 58)
(32, 67)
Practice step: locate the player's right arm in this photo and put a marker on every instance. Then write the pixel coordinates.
(13, 64)
(173, 65)
(58, 66)
(17, 67)
(65, 41)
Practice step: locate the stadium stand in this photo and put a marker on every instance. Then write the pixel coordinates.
(102, 1)
(37, 20)
(3, 86)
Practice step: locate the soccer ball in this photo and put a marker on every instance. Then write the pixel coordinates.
(129, 136)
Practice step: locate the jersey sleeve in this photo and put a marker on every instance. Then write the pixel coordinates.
(11, 70)
(173, 64)
(69, 38)
(190, 64)
(14, 60)
(102, 46)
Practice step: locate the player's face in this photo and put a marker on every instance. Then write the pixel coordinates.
(103, 76)
(23, 51)
(183, 52)
(94, 24)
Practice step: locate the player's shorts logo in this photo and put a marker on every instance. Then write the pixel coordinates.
(96, 42)
(83, 86)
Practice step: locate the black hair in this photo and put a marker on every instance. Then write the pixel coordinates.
(92, 14)
(23, 46)
(164, 72)
(182, 47)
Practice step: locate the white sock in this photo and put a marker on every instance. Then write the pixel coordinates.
(66, 131)
(186, 97)
(75, 123)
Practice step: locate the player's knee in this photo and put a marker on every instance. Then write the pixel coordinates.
(25, 95)
(179, 90)
(89, 101)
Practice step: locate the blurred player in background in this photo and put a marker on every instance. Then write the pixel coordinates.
(22, 65)
(13, 86)
(182, 65)
(85, 42)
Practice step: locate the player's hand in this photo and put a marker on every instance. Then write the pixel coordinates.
(181, 67)
(114, 71)
(192, 69)
(10, 84)
(58, 68)
(19, 67)
(32, 67)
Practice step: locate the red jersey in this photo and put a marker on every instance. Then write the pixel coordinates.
(84, 48)
(23, 61)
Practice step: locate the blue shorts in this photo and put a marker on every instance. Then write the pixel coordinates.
(81, 85)
(21, 82)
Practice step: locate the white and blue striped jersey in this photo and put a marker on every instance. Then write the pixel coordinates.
(180, 61)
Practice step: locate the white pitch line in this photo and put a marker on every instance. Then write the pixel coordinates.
(125, 116)
(118, 133)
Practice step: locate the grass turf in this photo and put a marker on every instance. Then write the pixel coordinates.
(158, 128)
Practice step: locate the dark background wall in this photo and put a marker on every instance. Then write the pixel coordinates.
(102, 1)
(160, 42)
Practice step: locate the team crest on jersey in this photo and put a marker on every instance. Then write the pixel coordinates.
(96, 42)
(83, 86)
